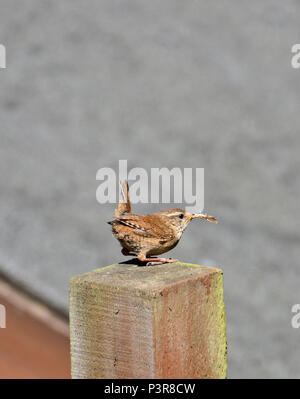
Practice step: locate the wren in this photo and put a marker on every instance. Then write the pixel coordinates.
(152, 234)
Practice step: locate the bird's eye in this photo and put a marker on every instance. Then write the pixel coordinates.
(181, 216)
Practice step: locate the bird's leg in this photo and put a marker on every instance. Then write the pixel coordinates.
(155, 261)
(126, 252)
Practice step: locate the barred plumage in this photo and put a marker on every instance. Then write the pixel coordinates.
(151, 234)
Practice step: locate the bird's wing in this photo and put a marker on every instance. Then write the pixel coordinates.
(147, 226)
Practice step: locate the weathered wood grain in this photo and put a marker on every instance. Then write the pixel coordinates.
(163, 321)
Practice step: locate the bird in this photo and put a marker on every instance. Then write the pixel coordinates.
(146, 236)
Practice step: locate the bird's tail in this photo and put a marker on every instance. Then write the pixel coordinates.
(124, 203)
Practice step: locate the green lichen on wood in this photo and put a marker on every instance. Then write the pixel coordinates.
(193, 292)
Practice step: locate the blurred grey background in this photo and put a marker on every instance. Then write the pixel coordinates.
(172, 83)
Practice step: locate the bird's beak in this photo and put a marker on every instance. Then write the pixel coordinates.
(204, 216)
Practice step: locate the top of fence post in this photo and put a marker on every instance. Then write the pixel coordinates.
(163, 321)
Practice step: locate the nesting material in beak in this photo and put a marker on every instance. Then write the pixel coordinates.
(205, 216)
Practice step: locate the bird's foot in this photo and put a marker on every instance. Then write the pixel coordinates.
(159, 261)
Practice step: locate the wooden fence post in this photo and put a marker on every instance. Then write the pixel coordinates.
(163, 321)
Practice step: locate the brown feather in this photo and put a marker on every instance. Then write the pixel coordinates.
(124, 205)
